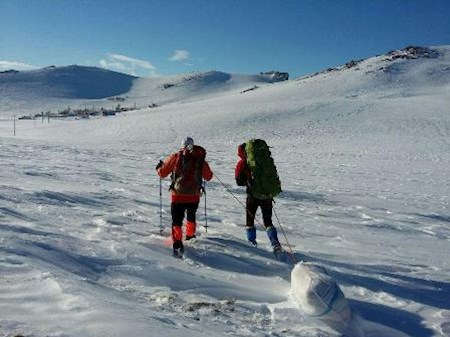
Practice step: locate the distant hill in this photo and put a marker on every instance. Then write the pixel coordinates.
(54, 88)
(406, 71)
(67, 82)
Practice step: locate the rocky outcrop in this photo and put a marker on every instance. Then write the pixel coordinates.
(411, 53)
(276, 76)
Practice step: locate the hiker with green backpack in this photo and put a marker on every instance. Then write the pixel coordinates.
(256, 170)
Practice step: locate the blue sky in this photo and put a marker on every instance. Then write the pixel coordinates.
(163, 37)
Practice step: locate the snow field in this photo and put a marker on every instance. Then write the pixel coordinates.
(364, 170)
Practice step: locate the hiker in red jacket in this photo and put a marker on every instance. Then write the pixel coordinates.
(187, 168)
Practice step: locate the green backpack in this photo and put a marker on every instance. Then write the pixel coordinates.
(265, 183)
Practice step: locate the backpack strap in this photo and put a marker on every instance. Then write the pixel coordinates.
(200, 153)
(174, 174)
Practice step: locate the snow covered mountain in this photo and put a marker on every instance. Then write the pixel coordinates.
(362, 151)
(57, 88)
(67, 82)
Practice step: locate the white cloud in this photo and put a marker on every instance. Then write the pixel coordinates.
(132, 61)
(112, 65)
(126, 64)
(180, 55)
(7, 65)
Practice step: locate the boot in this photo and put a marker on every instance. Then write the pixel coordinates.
(251, 235)
(273, 237)
(178, 249)
(177, 236)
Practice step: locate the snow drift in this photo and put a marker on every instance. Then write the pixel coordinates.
(319, 296)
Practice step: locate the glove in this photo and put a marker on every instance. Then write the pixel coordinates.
(251, 235)
(159, 164)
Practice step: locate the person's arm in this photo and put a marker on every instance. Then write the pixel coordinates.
(240, 173)
(207, 174)
(167, 166)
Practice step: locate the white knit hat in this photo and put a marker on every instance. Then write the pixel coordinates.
(188, 142)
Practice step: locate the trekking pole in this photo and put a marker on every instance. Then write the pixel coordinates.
(294, 260)
(291, 254)
(237, 199)
(160, 207)
(206, 215)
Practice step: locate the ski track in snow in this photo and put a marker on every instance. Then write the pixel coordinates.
(365, 195)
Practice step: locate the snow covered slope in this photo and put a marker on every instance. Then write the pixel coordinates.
(56, 88)
(67, 82)
(363, 154)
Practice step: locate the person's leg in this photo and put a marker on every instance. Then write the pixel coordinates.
(177, 210)
(191, 224)
(251, 208)
(266, 209)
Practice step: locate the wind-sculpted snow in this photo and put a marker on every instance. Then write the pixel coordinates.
(365, 179)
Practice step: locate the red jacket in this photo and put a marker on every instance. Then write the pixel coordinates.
(241, 172)
(169, 166)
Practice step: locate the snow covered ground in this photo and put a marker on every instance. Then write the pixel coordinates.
(363, 154)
